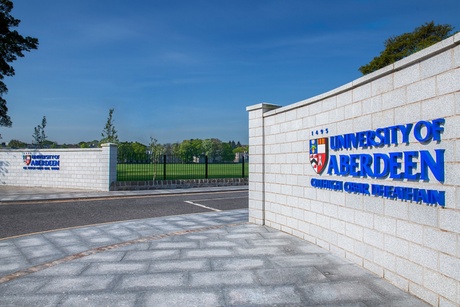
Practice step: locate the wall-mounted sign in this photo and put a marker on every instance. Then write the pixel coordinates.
(41, 162)
(409, 166)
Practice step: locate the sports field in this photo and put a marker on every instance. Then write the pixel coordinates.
(173, 171)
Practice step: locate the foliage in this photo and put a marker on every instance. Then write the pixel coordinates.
(12, 46)
(127, 150)
(399, 47)
(190, 149)
(109, 134)
(241, 149)
(39, 134)
(155, 148)
(91, 144)
(17, 144)
(227, 153)
(212, 148)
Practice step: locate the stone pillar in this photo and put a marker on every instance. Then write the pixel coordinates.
(257, 162)
(109, 165)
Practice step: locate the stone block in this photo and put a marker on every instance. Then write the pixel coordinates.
(221, 278)
(103, 299)
(145, 282)
(396, 246)
(116, 268)
(77, 284)
(447, 82)
(183, 298)
(409, 270)
(436, 65)
(440, 240)
(179, 265)
(248, 296)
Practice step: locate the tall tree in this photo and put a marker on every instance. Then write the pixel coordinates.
(12, 46)
(39, 134)
(109, 134)
(399, 47)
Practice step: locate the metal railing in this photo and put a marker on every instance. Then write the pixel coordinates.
(141, 167)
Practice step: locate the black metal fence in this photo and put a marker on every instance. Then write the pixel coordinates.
(140, 167)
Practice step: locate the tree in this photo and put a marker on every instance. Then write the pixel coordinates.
(39, 134)
(16, 144)
(109, 134)
(212, 148)
(156, 150)
(399, 47)
(12, 46)
(227, 152)
(190, 149)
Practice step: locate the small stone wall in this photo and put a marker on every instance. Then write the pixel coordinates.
(77, 168)
(179, 184)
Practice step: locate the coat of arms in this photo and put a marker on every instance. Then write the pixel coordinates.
(319, 154)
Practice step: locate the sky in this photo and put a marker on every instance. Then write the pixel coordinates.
(179, 69)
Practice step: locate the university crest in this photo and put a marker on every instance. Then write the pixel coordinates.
(27, 158)
(319, 154)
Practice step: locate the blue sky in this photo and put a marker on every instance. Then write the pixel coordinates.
(177, 70)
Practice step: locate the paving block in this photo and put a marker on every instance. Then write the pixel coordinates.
(208, 252)
(260, 296)
(65, 269)
(28, 241)
(23, 286)
(152, 255)
(222, 278)
(289, 276)
(107, 299)
(77, 284)
(190, 298)
(33, 300)
(153, 281)
(180, 265)
(116, 268)
(237, 264)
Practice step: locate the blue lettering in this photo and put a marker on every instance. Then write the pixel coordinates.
(436, 167)
(410, 165)
(388, 191)
(437, 129)
(418, 131)
(394, 134)
(344, 165)
(405, 130)
(354, 165)
(365, 162)
(378, 160)
(399, 193)
(395, 165)
(382, 133)
(333, 166)
(377, 189)
(352, 141)
(437, 197)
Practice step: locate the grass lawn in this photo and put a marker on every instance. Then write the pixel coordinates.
(140, 172)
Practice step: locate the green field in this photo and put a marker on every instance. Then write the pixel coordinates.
(141, 172)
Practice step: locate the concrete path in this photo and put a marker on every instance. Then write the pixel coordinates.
(207, 259)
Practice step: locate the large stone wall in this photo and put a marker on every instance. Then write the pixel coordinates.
(92, 169)
(407, 229)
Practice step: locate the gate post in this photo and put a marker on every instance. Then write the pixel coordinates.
(109, 167)
(257, 165)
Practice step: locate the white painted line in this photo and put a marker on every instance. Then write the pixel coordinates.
(223, 198)
(203, 206)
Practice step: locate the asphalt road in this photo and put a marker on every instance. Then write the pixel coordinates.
(24, 218)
